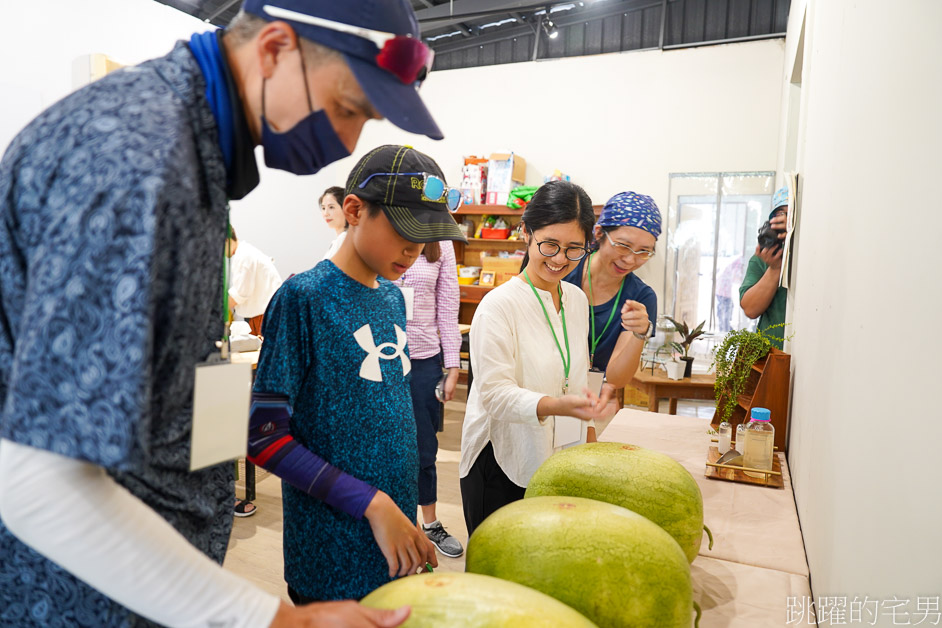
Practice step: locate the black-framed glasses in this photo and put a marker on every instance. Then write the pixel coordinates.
(433, 187)
(622, 248)
(551, 249)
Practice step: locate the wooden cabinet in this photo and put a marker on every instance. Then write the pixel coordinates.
(470, 254)
(767, 387)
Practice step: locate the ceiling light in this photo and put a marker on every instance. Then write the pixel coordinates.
(550, 28)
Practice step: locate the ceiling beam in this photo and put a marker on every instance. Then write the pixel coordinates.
(448, 13)
(465, 29)
(562, 20)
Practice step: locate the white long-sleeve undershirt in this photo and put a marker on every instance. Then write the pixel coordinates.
(77, 516)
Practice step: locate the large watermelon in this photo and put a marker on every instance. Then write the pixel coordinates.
(443, 600)
(645, 481)
(612, 565)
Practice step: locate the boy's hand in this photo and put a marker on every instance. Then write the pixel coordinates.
(404, 545)
(338, 614)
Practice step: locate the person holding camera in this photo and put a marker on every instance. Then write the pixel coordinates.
(760, 295)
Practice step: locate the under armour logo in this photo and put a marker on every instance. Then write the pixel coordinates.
(370, 368)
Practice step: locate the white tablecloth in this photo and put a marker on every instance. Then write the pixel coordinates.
(758, 557)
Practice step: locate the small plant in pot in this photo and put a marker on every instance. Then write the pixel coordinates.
(733, 359)
(687, 337)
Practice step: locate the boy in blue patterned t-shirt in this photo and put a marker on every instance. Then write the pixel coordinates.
(332, 411)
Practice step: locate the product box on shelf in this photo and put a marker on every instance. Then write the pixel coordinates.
(505, 171)
(503, 268)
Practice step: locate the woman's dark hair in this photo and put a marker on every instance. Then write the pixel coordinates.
(336, 191)
(596, 244)
(432, 252)
(558, 202)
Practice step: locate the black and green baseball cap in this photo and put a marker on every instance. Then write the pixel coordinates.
(394, 178)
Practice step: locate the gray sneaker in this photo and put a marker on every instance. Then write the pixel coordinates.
(446, 543)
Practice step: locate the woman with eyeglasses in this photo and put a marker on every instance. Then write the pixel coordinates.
(622, 308)
(530, 360)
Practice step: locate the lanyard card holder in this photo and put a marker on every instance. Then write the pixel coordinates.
(596, 379)
(222, 395)
(568, 431)
(408, 294)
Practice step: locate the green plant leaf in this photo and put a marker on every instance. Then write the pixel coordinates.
(677, 326)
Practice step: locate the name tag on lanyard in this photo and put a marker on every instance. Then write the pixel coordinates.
(221, 399)
(409, 295)
(596, 379)
(568, 431)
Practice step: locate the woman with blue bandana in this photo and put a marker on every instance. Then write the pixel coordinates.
(622, 308)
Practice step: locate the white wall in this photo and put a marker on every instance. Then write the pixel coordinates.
(866, 429)
(613, 122)
(43, 37)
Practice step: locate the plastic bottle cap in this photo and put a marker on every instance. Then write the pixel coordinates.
(761, 414)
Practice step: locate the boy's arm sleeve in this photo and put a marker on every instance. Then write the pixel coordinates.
(272, 447)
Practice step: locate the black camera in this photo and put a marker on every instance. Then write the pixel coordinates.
(768, 237)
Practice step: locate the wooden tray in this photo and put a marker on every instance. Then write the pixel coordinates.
(774, 479)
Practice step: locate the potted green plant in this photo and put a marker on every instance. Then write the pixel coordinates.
(733, 359)
(687, 337)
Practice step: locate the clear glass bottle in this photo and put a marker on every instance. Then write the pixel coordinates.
(740, 444)
(760, 439)
(725, 434)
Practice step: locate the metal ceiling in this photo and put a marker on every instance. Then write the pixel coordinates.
(468, 33)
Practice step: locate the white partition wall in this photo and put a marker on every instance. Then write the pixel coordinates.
(866, 426)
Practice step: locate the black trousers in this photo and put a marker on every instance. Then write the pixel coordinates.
(428, 415)
(485, 489)
(300, 600)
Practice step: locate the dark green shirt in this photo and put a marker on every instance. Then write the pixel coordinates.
(775, 313)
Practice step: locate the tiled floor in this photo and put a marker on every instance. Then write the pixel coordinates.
(255, 545)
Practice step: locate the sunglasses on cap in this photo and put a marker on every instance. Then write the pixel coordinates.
(404, 56)
(433, 187)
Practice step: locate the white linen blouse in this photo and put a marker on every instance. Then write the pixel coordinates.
(516, 363)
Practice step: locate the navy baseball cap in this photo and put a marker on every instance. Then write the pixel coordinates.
(379, 40)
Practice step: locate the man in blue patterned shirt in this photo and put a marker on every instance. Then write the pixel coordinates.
(113, 211)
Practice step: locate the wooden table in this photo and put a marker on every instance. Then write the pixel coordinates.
(658, 385)
(758, 558)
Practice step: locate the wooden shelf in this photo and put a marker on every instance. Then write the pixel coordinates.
(490, 240)
(499, 210)
(473, 294)
(490, 210)
(770, 390)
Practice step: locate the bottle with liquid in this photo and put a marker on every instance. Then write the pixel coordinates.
(725, 434)
(740, 444)
(760, 438)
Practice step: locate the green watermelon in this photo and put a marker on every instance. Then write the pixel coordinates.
(642, 480)
(612, 565)
(443, 600)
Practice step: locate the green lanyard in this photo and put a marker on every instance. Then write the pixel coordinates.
(595, 339)
(567, 359)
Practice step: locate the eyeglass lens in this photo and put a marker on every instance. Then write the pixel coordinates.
(549, 249)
